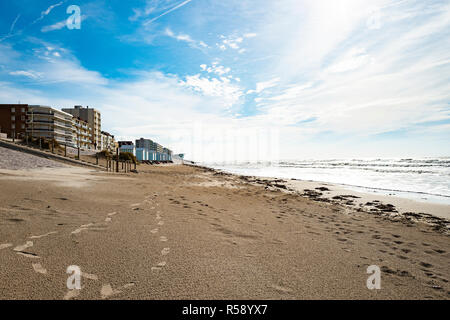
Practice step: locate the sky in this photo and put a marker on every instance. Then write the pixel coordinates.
(241, 80)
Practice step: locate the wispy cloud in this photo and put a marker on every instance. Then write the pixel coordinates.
(11, 29)
(167, 12)
(29, 73)
(186, 38)
(14, 24)
(261, 86)
(56, 26)
(47, 11)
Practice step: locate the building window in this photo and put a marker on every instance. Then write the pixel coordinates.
(13, 118)
(23, 110)
(22, 118)
(13, 109)
(13, 126)
(23, 126)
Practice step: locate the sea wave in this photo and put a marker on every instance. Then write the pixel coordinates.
(418, 178)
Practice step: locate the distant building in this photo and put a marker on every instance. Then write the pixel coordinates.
(127, 148)
(145, 143)
(81, 134)
(48, 123)
(91, 116)
(123, 143)
(13, 118)
(108, 142)
(156, 152)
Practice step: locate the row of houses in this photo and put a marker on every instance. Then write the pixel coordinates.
(146, 150)
(78, 127)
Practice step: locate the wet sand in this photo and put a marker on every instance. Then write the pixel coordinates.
(182, 232)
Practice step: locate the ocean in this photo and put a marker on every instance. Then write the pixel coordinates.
(424, 179)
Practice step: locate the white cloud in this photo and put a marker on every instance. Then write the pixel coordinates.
(47, 66)
(261, 86)
(56, 26)
(352, 60)
(167, 12)
(47, 11)
(232, 42)
(222, 88)
(29, 74)
(186, 38)
(14, 24)
(216, 68)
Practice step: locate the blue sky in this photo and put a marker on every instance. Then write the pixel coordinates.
(226, 80)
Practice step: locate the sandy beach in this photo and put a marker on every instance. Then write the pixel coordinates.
(185, 232)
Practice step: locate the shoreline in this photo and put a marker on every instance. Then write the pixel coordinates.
(392, 206)
(419, 196)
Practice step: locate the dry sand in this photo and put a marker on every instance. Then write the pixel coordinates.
(180, 232)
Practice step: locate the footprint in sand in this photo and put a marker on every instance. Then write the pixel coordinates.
(29, 255)
(108, 291)
(281, 289)
(72, 294)
(89, 276)
(82, 228)
(159, 266)
(163, 239)
(24, 246)
(154, 231)
(38, 268)
(44, 235)
(165, 251)
(5, 245)
(129, 285)
(108, 219)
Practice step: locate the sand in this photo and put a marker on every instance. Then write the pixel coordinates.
(182, 232)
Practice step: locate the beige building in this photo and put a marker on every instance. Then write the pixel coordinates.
(81, 134)
(108, 142)
(93, 118)
(48, 123)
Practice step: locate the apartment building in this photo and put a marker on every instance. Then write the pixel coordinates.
(108, 142)
(123, 143)
(155, 151)
(48, 123)
(167, 154)
(81, 134)
(93, 118)
(145, 143)
(13, 118)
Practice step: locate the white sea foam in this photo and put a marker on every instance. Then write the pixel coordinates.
(426, 179)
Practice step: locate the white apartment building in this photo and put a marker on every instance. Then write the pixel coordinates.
(48, 123)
